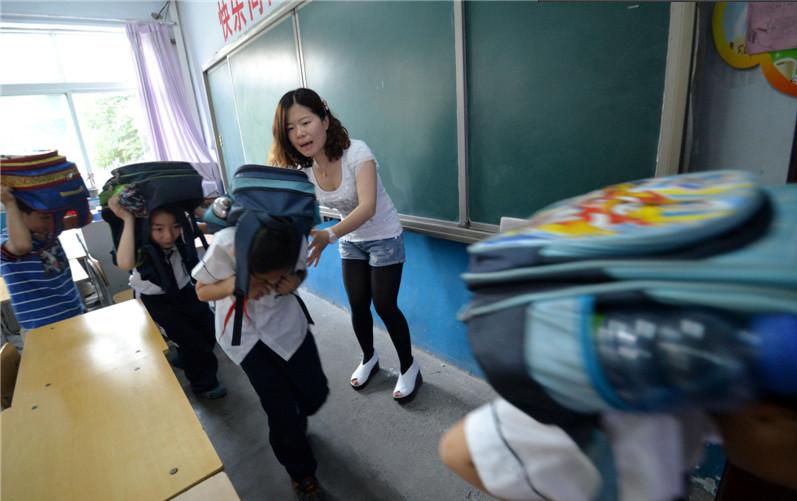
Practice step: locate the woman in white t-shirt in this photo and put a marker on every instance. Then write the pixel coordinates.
(344, 171)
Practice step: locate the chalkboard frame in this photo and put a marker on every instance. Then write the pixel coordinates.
(670, 143)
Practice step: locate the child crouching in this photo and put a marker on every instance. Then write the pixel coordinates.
(277, 352)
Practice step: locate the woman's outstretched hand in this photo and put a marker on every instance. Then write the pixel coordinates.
(317, 245)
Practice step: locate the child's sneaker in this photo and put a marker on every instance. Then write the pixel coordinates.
(308, 489)
(217, 391)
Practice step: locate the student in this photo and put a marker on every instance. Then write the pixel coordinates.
(277, 351)
(35, 267)
(186, 320)
(343, 170)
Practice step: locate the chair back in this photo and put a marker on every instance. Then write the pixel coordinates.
(9, 366)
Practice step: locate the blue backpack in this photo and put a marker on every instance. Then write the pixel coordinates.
(47, 182)
(278, 198)
(711, 247)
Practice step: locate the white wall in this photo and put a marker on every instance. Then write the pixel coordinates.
(740, 120)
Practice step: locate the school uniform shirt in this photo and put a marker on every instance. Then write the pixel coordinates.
(277, 321)
(519, 458)
(40, 284)
(385, 222)
(653, 452)
(173, 257)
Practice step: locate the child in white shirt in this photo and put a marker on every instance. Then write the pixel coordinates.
(277, 350)
(174, 306)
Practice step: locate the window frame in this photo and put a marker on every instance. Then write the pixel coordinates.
(67, 89)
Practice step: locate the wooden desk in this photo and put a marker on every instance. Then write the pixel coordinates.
(216, 488)
(125, 295)
(98, 414)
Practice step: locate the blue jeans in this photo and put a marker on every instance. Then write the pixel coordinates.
(377, 252)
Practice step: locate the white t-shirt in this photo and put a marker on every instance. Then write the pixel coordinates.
(385, 222)
(542, 463)
(519, 458)
(141, 286)
(278, 321)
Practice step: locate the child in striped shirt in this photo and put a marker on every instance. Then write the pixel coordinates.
(35, 267)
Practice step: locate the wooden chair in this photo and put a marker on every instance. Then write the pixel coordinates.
(9, 366)
(99, 281)
(124, 295)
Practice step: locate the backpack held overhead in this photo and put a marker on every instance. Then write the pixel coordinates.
(143, 188)
(648, 296)
(47, 182)
(278, 198)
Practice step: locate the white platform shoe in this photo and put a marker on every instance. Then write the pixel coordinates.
(362, 374)
(408, 384)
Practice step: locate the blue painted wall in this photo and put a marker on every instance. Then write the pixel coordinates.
(431, 294)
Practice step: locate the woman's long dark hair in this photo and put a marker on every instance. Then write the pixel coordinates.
(283, 154)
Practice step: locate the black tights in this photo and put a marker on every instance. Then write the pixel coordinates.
(365, 283)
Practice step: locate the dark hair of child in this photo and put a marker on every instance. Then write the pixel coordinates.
(274, 250)
(177, 212)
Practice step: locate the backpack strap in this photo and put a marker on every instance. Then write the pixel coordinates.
(245, 229)
(163, 269)
(238, 321)
(185, 245)
(304, 308)
(198, 232)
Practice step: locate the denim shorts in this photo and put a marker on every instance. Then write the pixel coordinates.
(377, 252)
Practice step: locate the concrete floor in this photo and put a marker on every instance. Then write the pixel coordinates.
(368, 447)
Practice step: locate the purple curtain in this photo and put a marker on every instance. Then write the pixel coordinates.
(174, 131)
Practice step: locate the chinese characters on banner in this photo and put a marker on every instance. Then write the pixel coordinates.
(233, 14)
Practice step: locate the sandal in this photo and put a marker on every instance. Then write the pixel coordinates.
(362, 374)
(408, 384)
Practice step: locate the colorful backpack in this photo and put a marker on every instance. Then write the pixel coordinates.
(47, 182)
(713, 246)
(278, 198)
(144, 187)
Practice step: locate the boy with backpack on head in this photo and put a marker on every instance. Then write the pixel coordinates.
(35, 267)
(276, 350)
(172, 302)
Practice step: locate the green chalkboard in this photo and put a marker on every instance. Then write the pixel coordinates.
(262, 71)
(387, 71)
(223, 106)
(562, 98)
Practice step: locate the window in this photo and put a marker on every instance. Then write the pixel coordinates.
(71, 88)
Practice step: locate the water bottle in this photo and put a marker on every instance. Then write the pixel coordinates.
(662, 358)
(221, 206)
